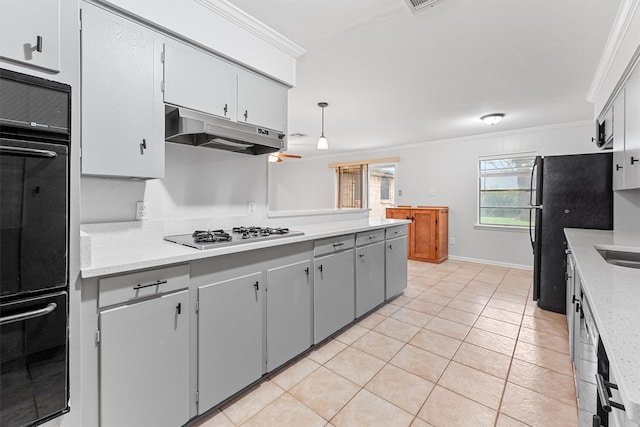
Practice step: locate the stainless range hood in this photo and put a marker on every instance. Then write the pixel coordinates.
(190, 127)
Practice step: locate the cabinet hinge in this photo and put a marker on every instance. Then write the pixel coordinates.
(97, 336)
(436, 221)
(197, 306)
(162, 86)
(162, 57)
(197, 396)
(80, 20)
(266, 358)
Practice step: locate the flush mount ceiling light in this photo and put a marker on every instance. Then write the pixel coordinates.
(492, 119)
(323, 143)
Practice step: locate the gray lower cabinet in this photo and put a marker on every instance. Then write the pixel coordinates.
(369, 277)
(288, 295)
(229, 337)
(396, 266)
(334, 293)
(144, 363)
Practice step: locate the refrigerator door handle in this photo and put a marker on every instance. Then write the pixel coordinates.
(533, 171)
(531, 210)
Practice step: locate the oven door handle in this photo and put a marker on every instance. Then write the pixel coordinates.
(28, 315)
(27, 152)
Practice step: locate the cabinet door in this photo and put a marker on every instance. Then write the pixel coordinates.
(396, 213)
(424, 234)
(144, 363)
(198, 81)
(229, 338)
(369, 277)
(396, 266)
(30, 32)
(618, 140)
(334, 293)
(632, 131)
(122, 106)
(261, 102)
(288, 312)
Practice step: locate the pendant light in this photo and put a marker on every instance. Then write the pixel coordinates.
(323, 143)
(492, 119)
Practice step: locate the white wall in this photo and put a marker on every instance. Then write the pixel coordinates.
(626, 210)
(295, 185)
(449, 168)
(198, 183)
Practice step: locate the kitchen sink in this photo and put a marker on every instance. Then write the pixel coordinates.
(621, 258)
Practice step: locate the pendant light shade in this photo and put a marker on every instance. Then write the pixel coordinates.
(492, 119)
(323, 143)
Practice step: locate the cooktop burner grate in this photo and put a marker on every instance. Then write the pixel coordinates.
(201, 239)
(208, 236)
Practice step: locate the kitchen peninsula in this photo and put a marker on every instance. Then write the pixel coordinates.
(216, 321)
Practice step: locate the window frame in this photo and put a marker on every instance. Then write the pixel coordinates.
(479, 191)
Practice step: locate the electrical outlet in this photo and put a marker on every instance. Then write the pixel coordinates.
(251, 208)
(142, 210)
(432, 192)
(399, 192)
(452, 240)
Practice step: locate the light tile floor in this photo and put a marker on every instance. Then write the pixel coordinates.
(464, 345)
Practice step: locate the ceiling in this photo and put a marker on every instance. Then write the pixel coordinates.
(392, 77)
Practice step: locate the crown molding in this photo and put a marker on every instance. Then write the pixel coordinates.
(252, 25)
(620, 27)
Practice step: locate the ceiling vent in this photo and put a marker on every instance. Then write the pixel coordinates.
(420, 5)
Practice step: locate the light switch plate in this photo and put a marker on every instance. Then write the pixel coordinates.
(251, 208)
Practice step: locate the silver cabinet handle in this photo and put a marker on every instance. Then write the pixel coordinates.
(147, 285)
(337, 245)
(38, 43)
(28, 315)
(27, 152)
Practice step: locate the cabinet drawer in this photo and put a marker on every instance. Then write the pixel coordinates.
(127, 287)
(332, 244)
(398, 231)
(368, 237)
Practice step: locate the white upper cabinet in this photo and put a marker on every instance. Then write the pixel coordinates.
(122, 103)
(30, 32)
(199, 81)
(618, 141)
(261, 102)
(632, 131)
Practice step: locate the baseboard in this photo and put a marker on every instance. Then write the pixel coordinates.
(491, 262)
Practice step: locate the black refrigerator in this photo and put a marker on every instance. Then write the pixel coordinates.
(567, 192)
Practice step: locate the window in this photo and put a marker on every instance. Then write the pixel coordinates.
(385, 184)
(351, 181)
(504, 189)
(366, 184)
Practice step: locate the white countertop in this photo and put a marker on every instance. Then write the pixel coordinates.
(134, 251)
(613, 293)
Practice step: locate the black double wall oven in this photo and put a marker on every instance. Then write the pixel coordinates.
(35, 120)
